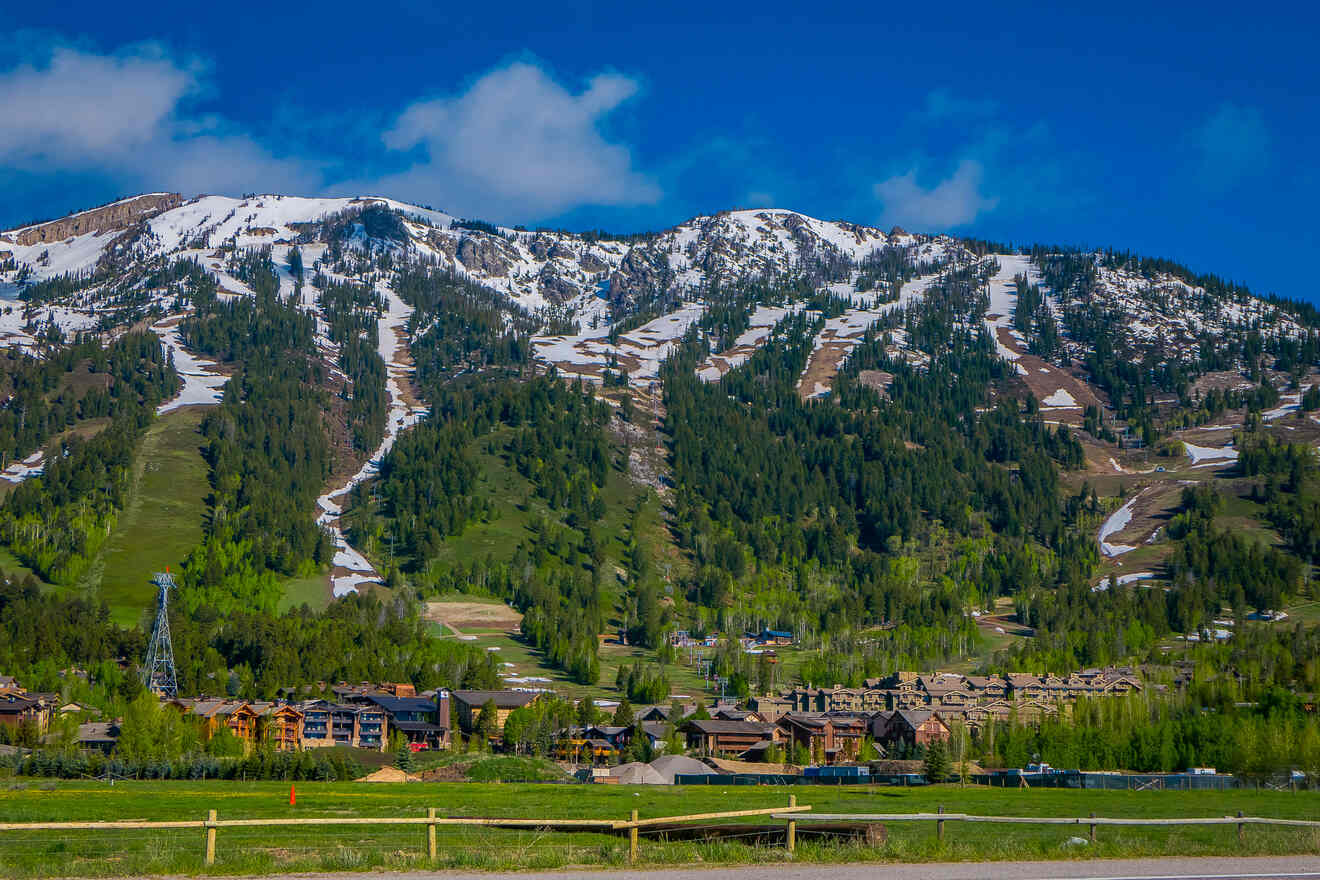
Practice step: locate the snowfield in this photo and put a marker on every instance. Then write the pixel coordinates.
(1200, 454)
(401, 417)
(201, 386)
(1060, 399)
(1003, 300)
(639, 352)
(32, 466)
(1117, 521)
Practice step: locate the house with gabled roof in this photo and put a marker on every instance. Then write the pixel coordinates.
(18, 709)
(916, 727)
(836, 738)
(279, 725)
(468, 705)
(725, 737)
(237, 716)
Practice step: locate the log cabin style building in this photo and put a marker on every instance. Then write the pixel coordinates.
(467, 706)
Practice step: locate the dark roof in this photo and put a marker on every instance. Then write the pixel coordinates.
(718, 726)
(418, 727)
(914, 718)
(503, 699)
(402, 704)
(17, 702)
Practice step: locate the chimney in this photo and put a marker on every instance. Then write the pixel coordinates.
(442, 709)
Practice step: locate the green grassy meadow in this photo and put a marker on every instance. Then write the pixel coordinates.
(314, 592)
(273, 850)
(164, 517)
(515, 506)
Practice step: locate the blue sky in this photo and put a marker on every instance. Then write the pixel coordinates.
(1189, 131)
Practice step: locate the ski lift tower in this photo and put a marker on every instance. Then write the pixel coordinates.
(158, 672)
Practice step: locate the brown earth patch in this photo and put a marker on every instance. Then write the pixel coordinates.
(1152, 510)
(408, 389)
(1044, 379)
(823, 366)
(477, 615)
(1007, 622)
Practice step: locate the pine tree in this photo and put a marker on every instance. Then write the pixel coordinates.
(936, 766)
(623, 716)
(488, 721)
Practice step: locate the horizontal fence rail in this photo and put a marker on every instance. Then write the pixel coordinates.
(1043, 820)
(212, 823)
(1091, 821)
(790, 816)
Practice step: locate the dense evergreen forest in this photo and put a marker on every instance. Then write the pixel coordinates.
(869, 522)
(249, 653)
(267, 446)
(55, 524)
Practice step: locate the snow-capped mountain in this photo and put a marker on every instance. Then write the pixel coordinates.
(534, 268)
(96, 270)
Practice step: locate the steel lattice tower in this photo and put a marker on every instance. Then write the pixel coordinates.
(158, 672)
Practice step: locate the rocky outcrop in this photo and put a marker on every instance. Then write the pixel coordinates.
(592, 263)
(641, 271)
(554, 286)
(540, 246)
(110, 218)
(485, 256)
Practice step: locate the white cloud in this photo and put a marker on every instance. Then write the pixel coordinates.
(952, 202)
(519, 145)
(124, 115)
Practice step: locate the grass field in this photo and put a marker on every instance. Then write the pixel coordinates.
(164, 517)
(312, 591)
(515, 505)
(10, 565)
(266, 850)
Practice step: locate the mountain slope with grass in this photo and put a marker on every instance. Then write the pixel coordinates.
(909, 451)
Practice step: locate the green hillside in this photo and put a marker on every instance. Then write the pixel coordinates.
(164, 517)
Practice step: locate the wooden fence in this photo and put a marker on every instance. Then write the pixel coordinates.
(212, 823)
(1092, 821)
(790, 816)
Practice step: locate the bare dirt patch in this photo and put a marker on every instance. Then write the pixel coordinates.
(474, 615)
(408, 389)
(823, 366)
(1151, 511)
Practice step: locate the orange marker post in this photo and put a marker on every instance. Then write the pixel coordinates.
(293, 796)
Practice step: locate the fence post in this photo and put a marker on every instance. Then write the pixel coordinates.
(210, 837)
(1093, 827)
(939, 825)
(790, 833)
(632, 840)
(1242, 838)
(430, 833)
